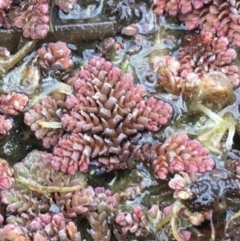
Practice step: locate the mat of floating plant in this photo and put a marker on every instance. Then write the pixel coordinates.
(119, 120)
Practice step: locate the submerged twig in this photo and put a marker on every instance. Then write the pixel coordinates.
(7, 63)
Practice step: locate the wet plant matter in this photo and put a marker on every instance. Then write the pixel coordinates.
(119, 120)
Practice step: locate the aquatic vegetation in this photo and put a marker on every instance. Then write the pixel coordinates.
(54, 87)
(56, 226)
(33, 18)
(105, 109)
(3, 7)
(43, 228)
(35, 173)
(178, 6)
(134, 222)
(177, 154)
(69, 195)
(217, 17)
(207, 191)
(215, 129)
(6, 125)
(193, 73)
(10, 105)
(13, 232)
(180, 154)
(91, 154)
(108, 44)
(208, 53)
(45, 111)
(55, 56)
(6, 175)
(220, 18)
(13, 103)
(66, 5)
(4, 4)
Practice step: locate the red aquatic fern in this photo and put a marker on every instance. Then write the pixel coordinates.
(56, 56)
(193, 73)
(221, 18)
(6, 173)
(33, 18)
(54, 227)
(46, 110)
(5, 125)
(105, 110)
(132, 222)
(177, 154)
(173, 7)
(13, 103)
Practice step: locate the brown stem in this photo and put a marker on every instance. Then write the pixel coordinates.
(71, 33)
(8, 63)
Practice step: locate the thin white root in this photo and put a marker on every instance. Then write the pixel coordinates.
(164, 221)
(176, 207)
(58, 87)
(236, 215)
(229, 141)
(217, 130)
(50, 124)
(213, 232)
(212, 115)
